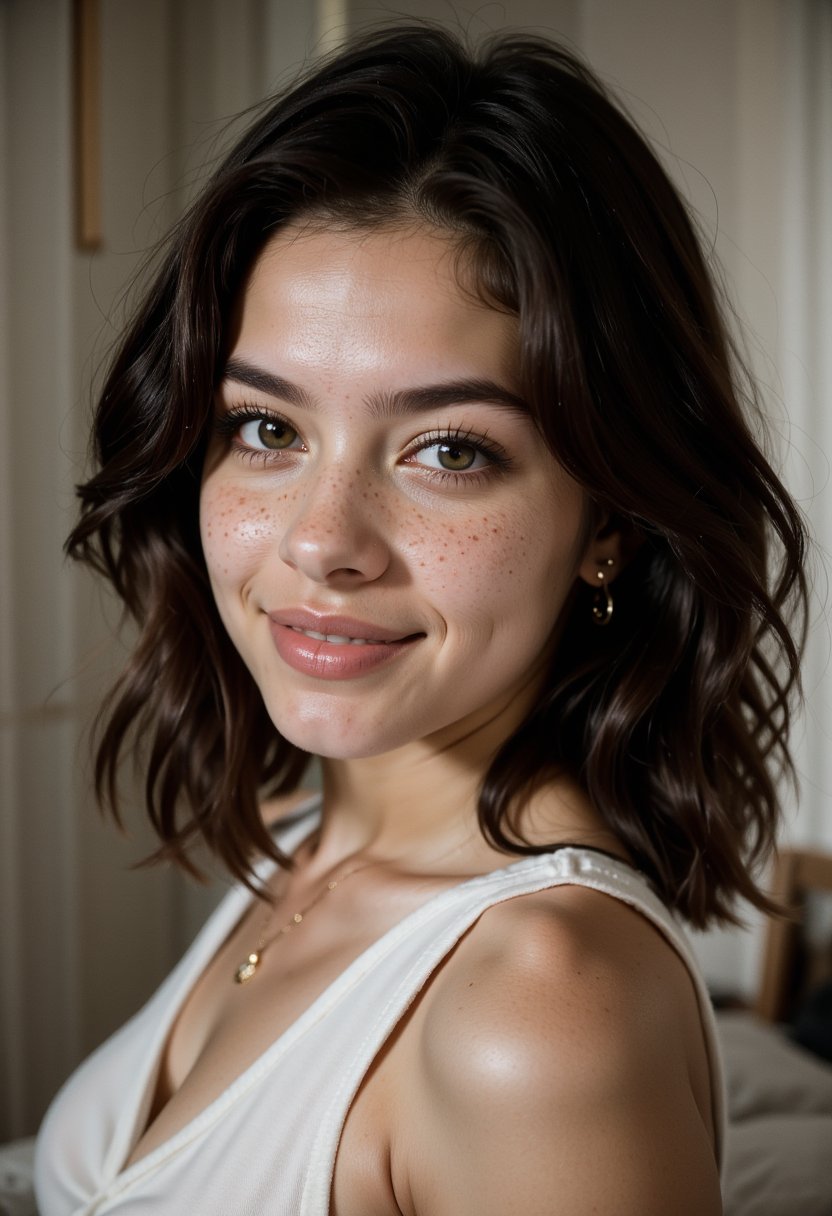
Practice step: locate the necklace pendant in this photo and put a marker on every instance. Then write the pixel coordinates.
(247, 969)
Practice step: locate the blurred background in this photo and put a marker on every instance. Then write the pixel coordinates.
(736, 95)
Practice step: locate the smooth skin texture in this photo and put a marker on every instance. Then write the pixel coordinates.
(553, 1074)
(372, 464)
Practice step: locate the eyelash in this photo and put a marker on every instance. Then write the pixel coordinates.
(498, 459)
(228, 424)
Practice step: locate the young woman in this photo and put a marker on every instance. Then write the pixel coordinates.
(426, 454)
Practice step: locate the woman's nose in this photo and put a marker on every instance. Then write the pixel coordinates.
(334, 534)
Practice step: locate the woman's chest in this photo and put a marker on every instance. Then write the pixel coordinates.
(223, 1030)
(221, 1027)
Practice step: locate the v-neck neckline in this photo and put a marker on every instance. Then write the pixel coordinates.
(195, 961)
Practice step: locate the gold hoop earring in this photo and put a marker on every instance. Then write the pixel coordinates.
(602, 601)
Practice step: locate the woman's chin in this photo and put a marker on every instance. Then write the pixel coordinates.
(339, 738)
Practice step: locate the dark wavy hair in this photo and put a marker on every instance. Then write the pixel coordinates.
(674, 718)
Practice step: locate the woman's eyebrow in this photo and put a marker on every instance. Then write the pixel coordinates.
(258, 378)
(386, 404)
(453, 392)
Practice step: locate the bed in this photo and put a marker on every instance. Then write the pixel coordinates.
(777, 1058)
(779, 1139)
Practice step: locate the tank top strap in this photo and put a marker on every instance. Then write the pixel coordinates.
(401, 963)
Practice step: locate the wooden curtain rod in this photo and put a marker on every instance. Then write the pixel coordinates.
(87, 122)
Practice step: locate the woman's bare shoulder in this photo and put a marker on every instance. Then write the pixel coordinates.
(568, 967)
(561, 1036)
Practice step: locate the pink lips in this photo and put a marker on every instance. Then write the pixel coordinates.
(331, 656)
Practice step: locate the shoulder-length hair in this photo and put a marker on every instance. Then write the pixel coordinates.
(674, 718)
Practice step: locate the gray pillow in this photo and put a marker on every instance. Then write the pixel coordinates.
(766, 1074)
(16, 1187)
(778, 1165)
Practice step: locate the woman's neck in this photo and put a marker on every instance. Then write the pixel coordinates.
(417, 806)
(417, 802)
(412, 808)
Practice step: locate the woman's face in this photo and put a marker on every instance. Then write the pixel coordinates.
(388, 539)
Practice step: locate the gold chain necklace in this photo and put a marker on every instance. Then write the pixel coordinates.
(248, 968)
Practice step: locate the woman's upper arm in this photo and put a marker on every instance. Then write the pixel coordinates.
(555, 1079)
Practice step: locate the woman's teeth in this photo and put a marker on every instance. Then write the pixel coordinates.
(336, 640)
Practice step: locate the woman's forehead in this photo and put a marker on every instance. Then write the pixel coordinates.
(367, 301)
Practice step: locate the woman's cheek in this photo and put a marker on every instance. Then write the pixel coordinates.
(471, 557)
(238, 526)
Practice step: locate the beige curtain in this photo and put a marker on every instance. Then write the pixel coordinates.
(83, 939)
(805, 356)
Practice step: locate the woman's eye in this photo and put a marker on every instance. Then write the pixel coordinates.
(452, 457)
(267, 434)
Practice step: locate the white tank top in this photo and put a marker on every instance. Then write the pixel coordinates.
(267, 1145)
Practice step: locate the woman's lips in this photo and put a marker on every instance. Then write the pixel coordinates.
(335, 648)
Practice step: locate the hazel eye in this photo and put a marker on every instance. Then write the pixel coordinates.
(453, 457)
(268, 434)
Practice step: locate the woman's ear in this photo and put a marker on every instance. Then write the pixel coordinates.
(613, 544)
(612, 547)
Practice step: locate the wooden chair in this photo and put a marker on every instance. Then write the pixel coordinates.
(798, 873)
